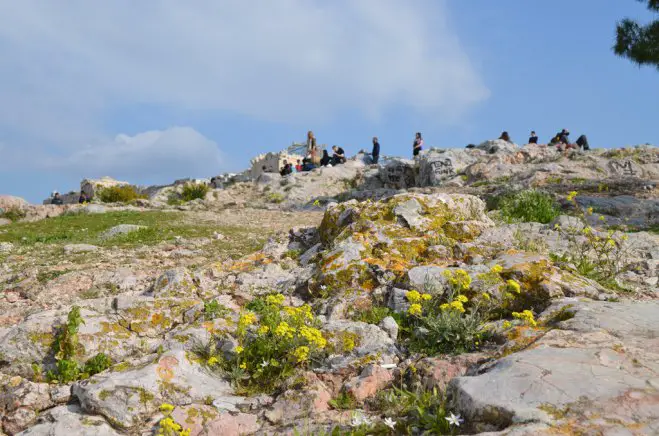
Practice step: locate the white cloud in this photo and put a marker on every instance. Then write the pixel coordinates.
(65, 63)
(148, 158)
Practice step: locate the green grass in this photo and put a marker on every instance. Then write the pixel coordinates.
(527, 206)
(161, 226)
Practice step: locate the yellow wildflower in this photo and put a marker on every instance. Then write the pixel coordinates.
(313, 336)
(557, 226)
(496, 269)
(426, 297)
(611, 242)
(301, 354)
(587, 231)
(512, 285)
(457, 305)
(239, 349)
(526, 316)
(167, 426)
(263, 330)
(275, 300)
(166, 408)
(507, 324)
(444, 306)
(212, 361)
(284, 330)
(246, 319)
(459, 279)
(486, 296)
(590, 210)
(415, 309)
(602, 218)
(413, 296)
(624, 237)
(571, 195)
(243, 365)
(462, 299)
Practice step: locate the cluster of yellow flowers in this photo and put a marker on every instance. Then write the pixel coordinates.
(416, 297)
(313, 336)
(246, 319)
(301, 354)
(275, 300)
(571, 195)
(301, 313)
(526, 316)
(459, 279)
(456, 304)
(167, 426)
(213, 361)
(512, 288)
(496, 269)
(415, 309)
(283, 330)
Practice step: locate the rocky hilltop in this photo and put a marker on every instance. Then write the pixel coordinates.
(499, 290)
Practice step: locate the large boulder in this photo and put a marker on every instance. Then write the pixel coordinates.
(68, 421)
(91, 187)
(128, 398)
(437, 166)
(398, 174)
(604, 358)
(498, 146)
(9, 202)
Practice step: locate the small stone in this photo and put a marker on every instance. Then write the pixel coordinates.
(390, 326)
(79, 248)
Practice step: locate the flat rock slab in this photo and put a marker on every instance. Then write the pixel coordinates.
(68, 421)
(128, 398)
(79, 248)
(606, 354)
(121, 229)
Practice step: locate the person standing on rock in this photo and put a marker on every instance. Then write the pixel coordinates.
(312, 150)
(505, 137)
(418, 144)
(582, 142)
(375, 154)
(57, 200)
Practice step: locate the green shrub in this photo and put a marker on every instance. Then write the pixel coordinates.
(344, 401)
(530, 205)
(193, 191)
(119, 194)
(214, 310)
(13, 214)
(275, 197)
(373, 315)
(98, 363)
(273, 342)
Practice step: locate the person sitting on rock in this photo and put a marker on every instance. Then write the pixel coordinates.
(286, 170)
(418, 144)
(533, 139)
(57, 200)
(375, 154)
(308, 165)
(298, 167)
(582, 142)
(326, 159)
(505, 137)
(339, 156)
(83, 198)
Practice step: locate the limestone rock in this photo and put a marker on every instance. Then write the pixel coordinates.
(121, 229)
(79, 248)
(389, 325)
(68, 421)
(6, 247)
(128, 397)
(9, 202)
(91, 187)
(372, 379)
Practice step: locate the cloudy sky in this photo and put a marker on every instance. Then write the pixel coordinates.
(157, 90)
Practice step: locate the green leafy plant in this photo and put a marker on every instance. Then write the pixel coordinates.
(194, 191)
(13, 214)
(273, 341)
(274, 197)
(97, 364)
(119, 194)
(529, 205)
(344, 401)
(372, 315)
(214, 310)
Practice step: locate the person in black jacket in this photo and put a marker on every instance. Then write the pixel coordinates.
(375, 154)
(339, 156)
(57, 200)
(582, 142)
(533, 139)
(326, 159)
(287, 169)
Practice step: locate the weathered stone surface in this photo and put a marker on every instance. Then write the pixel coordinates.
(91, 187)
(437, 372)
(121, 229)
(398, 174)
(79, 248)
(389, 325)
(68, 421)
(20, 402)
(4, 222)
(605, 352)
(9, 202)
(372, 379)
(126, 398)
(293, 405)
(371, 338)
(6, 247)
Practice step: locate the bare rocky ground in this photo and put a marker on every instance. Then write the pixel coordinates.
(398, 299)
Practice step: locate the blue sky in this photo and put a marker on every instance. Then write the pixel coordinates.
(170, 89)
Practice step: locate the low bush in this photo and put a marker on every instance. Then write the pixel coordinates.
(13, 214)
(274, 197)
(530, 205)
(119, 194)
(273, 341)
(194, 191)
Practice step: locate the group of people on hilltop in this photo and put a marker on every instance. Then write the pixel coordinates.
(57, 199)
(561, 140)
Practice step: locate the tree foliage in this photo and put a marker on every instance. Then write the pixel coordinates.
(639, 43)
